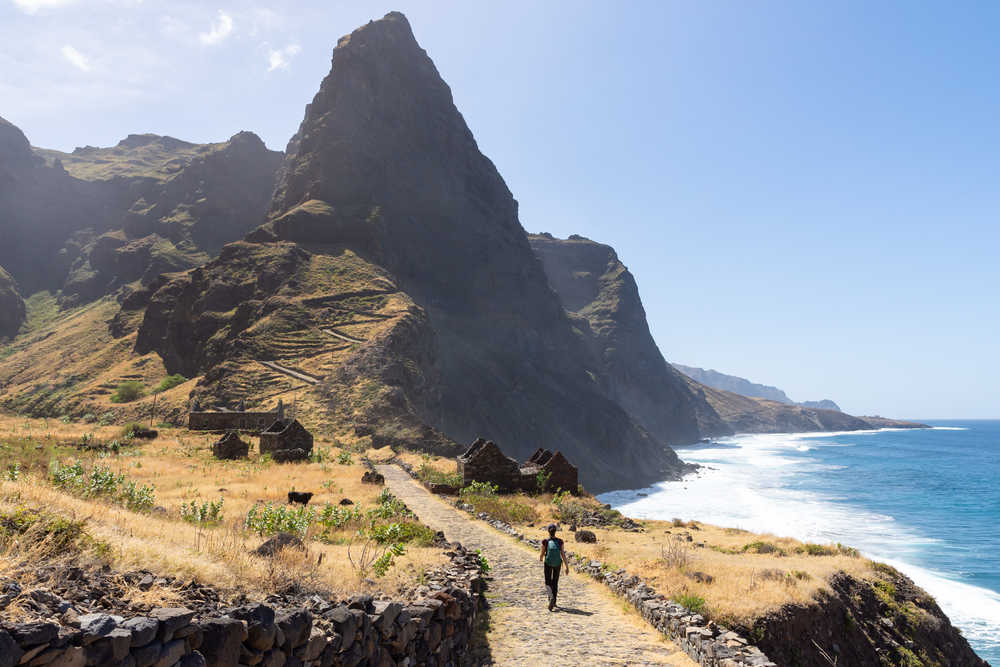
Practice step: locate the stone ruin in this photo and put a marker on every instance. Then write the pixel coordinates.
(234, 420)
(230, 446)
(286, 441)
(485, 462)
(561, 473)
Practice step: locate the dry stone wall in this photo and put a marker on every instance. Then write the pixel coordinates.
(435, 629)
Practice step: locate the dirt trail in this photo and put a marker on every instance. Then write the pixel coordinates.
(588, 628)
(298, 375)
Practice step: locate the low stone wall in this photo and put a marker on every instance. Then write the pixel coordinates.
(433, 630)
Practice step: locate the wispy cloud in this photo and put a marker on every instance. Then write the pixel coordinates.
(221, 29)
(75, 58)
(32, 6)
(280, 58)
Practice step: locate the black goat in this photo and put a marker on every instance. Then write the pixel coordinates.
(299, 497)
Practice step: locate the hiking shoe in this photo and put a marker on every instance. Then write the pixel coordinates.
(552, 597)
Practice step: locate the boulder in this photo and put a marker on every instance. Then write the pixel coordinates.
(586, 536)
(277, 543)
(372, 477)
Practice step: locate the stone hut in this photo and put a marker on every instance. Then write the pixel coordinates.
(283, 436)
(230, 447)
(484, 462)
(561, 473)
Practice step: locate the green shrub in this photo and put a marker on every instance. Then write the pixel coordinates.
(763, 548)
(542, 480)
(101, 482)
(484, 565)
(128, 392)
(206, 513)
(62, 534)
(504, 508)
(432, 475)
(169, 383)
(390, 533)
(816, 550)
(344, 459)
(484, 489)
(695, 603)
(270, 519)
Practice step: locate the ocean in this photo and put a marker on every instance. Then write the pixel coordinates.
(925, 501)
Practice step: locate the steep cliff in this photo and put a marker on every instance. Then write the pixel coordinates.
(430, 280)
(11, 306)
(602, 300)
(884, 620)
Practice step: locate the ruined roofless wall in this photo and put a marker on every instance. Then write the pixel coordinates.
(292, 436)
(484, 462)
(254, 422)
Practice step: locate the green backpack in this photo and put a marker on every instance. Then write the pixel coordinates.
(552, 556)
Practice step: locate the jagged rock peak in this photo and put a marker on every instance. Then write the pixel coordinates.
(383, 115)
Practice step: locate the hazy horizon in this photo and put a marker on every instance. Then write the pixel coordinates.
(805, 194)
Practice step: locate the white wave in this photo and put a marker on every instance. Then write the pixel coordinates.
(745, 485)
(950, 428)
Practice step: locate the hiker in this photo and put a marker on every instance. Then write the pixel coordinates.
(553, 556)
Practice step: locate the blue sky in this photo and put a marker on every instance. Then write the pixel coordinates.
(806, 192)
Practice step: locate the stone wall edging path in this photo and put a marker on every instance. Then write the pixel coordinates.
(588, 628)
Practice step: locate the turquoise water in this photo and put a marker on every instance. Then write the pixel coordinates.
(926, 501)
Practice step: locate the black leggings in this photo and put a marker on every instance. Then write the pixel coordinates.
(552, 579)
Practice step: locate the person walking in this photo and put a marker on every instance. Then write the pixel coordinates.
(554, 557)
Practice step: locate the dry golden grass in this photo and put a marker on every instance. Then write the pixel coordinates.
(745, 584)
(180, 466)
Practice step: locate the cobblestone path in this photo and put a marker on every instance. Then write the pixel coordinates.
(589, 627)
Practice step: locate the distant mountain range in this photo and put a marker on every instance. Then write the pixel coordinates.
(744, 387)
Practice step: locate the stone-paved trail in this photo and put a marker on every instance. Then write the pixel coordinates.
(588, 628)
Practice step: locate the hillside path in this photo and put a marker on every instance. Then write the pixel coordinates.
(590, 627)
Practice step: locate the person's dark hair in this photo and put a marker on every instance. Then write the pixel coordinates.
(552, 529)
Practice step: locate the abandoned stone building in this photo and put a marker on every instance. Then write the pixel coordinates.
(559, 473)
(484, 461)
(230, 446)
(282, 438)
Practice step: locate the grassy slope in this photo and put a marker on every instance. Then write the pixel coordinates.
(180, 465)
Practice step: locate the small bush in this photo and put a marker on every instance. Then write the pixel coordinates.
(677, 523)
(484, 489)
(504, 508)
(811, 549)
(101, 482)
(432, 475)
(484, 565)
(763, 548)
(169, 383)
(128, 392)
(695, 603)
(206, 513)
(269, 519)
(344, 459)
